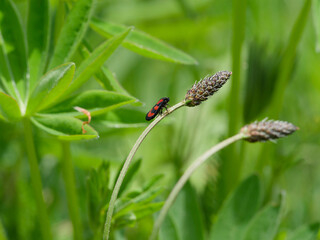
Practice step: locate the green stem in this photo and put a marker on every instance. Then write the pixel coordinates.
(125, 167)
(72, 197)
(187, 174)
(36, 181)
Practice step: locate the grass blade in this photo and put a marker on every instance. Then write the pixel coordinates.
(288, 60)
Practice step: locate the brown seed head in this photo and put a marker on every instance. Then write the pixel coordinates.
(267, 130)
(201, 90)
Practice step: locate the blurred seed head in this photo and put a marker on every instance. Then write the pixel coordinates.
(267, 130)
(206, 87)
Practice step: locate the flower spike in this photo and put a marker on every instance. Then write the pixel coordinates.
(206, 87)
(267, 130)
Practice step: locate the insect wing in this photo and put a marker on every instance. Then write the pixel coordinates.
(157, 108)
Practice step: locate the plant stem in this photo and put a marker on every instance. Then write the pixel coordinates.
(184, 178)
(36, 181)
(126, 166)
(72, 197)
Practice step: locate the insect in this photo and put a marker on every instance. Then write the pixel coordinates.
(162, 103)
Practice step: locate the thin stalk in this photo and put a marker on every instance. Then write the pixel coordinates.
(125, 167)
(184, 178)
(44, 222)
(72, 197)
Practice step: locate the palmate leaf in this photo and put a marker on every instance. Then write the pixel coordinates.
(50, 87)
(96, 59)
(237, 211)
(9, 108)
(143, 43)
(72, 32)
(95, 101)
(13, 58)
(64, 127)
(38, 38)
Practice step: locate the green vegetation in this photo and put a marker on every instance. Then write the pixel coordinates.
(79, 161)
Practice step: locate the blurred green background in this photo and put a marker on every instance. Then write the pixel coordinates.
(272, 48)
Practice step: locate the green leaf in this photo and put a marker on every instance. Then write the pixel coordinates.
(287, 62)
(186, 216)
(168, 230)
(104, 82)
(13, 59)
(95, 101)
(263, 67)
(120, 118)
(265, 223)
(38, 38)
(9, 108)
(143, 43)
(140, 211)
(93, 63)
(237, 211)
(133, 169)
(104, 76)
(72, 32)
(126, 205)
(50, 87)
(152, 182)
(64, 127)
(98, 193)
(307, 232)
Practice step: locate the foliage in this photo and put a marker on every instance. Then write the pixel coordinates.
(107, 57)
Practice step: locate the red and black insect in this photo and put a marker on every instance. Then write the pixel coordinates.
(162, 103)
